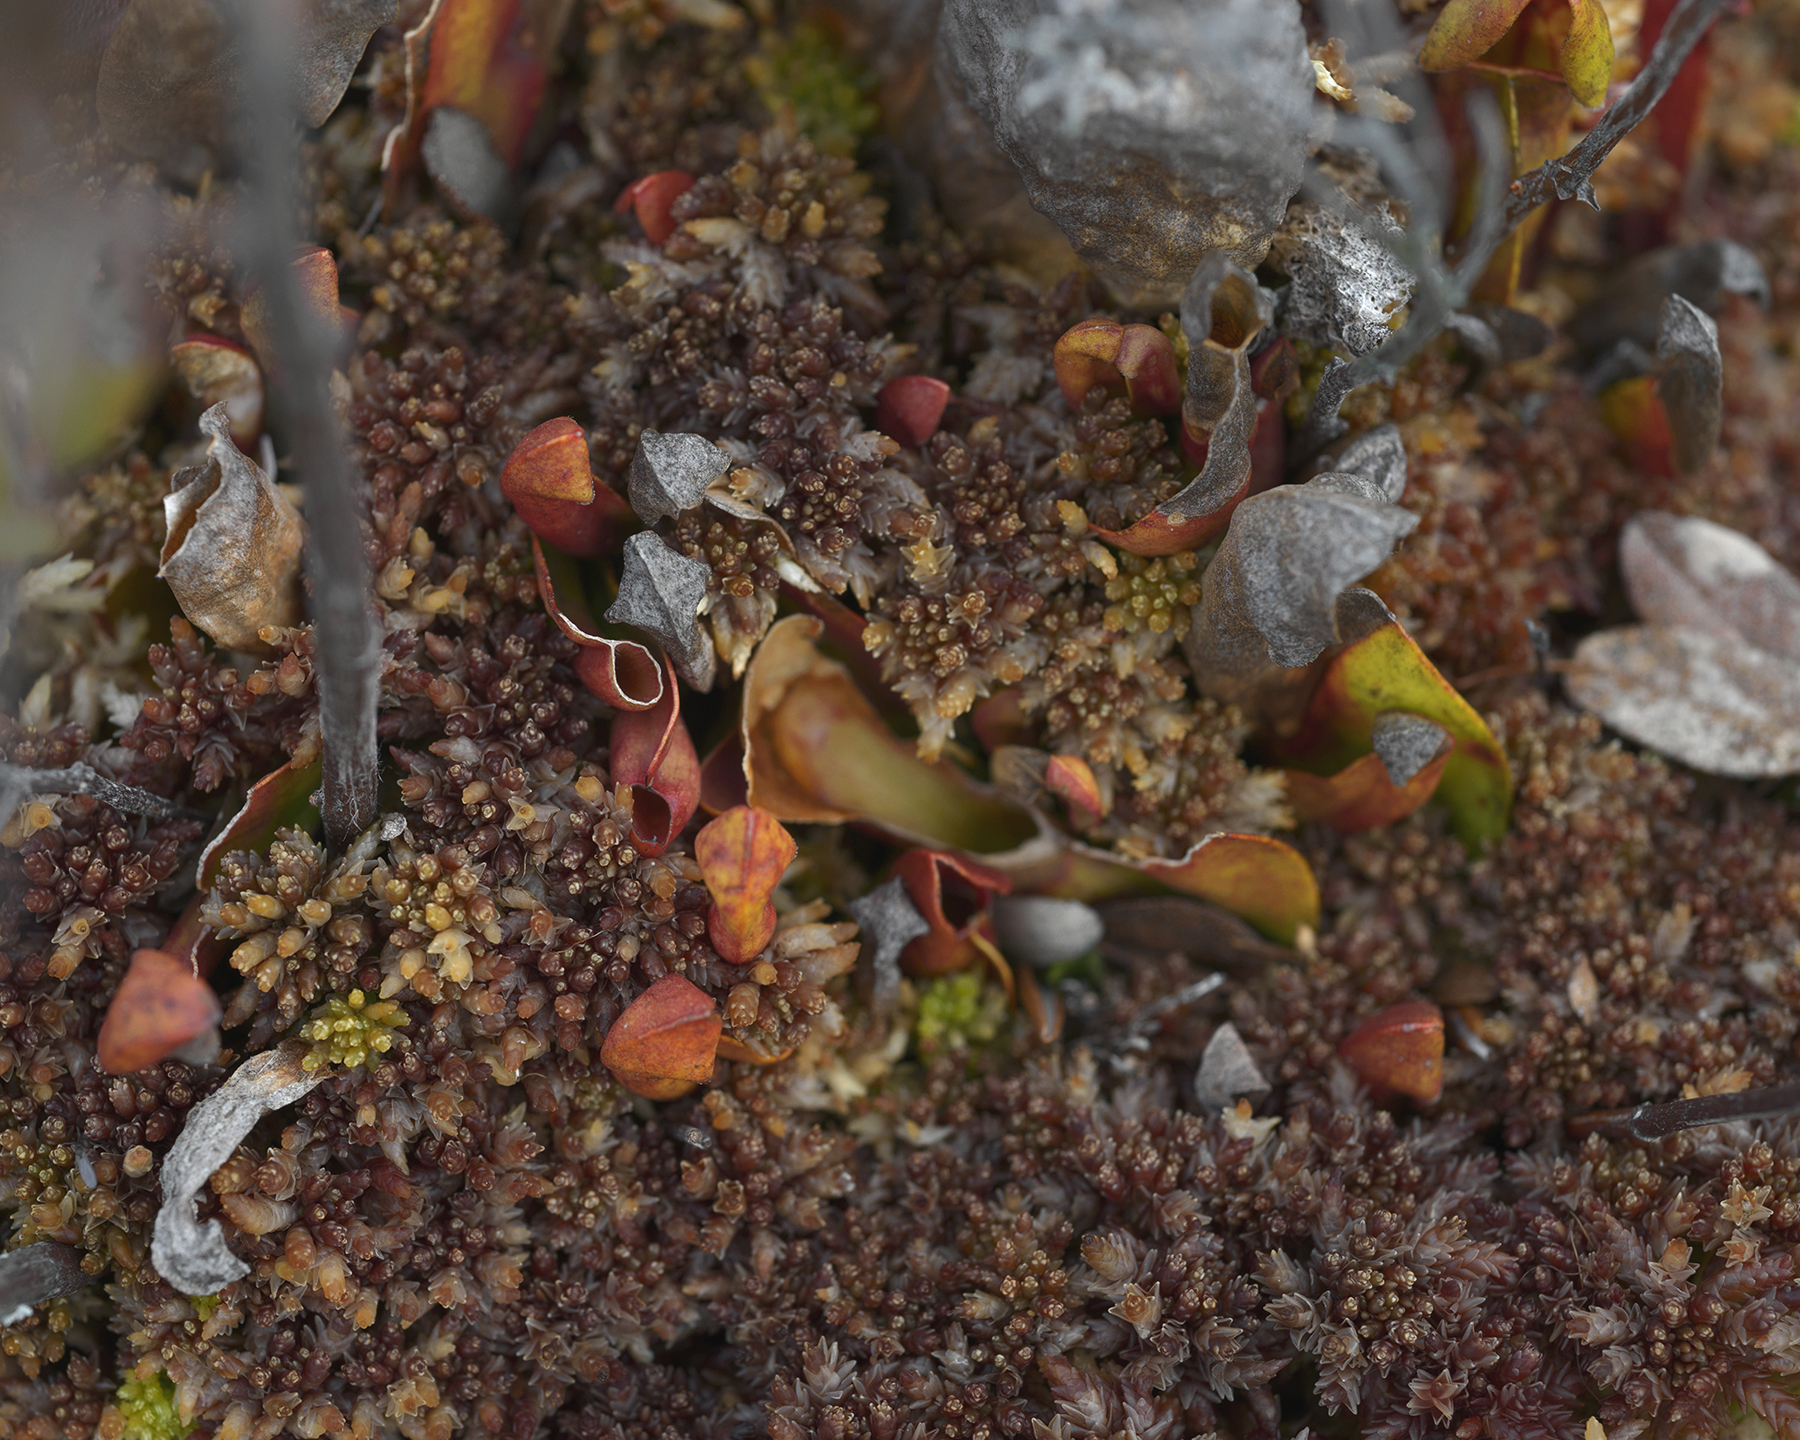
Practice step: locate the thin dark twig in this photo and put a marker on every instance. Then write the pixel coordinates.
(347, 642)
(1570, 176)
(17, 781)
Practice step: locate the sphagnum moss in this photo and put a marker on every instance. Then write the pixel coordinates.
(894, 1211)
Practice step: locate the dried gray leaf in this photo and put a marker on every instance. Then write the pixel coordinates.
(1041, 931)
(671, 473)
(1691, 381)
(172, 74)
(1269, 599)
(1150, 131)
(1708, 700)
(887, 917)
(469, 173)
(1227, 1070)
(1406, 743)
(1681, 570)
(1345, 286)
(36, 1273)
(1630, 306)
(190, 1256)
(233, 552)
(661, 592)
(1378, 455)
(1223, 310)
(1521, 335)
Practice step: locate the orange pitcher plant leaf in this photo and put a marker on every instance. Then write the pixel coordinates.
(666, 1042)
(1385, 671)
(218, 372)
(551, 484)
(909, 407)
(623, 673)
(1400, 1050)
(743, 854)
(650, 198)
(488, 60)
(1467, 29)
(1587, 55)
(952, 894)
(1104, 352)
(652, 752)
(1363, 794)
(1071, 780)
(160, 1005)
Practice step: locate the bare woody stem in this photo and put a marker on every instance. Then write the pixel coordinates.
(1571, 175)
(347, 643)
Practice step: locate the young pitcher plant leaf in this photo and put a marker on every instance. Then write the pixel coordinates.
(743, 854)
(666, 1041)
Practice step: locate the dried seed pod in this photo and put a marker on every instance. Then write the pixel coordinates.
(671, 473)
(233, 554)
(661, 592)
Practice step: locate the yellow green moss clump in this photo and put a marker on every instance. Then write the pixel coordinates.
(829, 93)
(960, 1010)
(348, 1030)
(149, 1409)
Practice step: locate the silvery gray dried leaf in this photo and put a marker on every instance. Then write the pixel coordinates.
(1682, 570)
(1151, 131)
(233, 552)
(1690, 379)
(460, 157)
(173, 72)
(1344, 284)
(1041, 931)
(1630, 306)
(1227, 1070)
(1378, 455)
(1705, 699)
(671, 473)
(1223, 310)
(1521, 335)
(661, 592)
(190, 1256)
(1406, 743)
(36, 1273)
(1268, 602)
(888, 918)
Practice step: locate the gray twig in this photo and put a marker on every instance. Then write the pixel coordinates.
(1570, 176)
(347, 641)
(18, 781)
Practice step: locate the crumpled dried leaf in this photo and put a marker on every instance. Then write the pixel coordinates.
(33, 1274)
(1629, 306)
(1682, 570)
(671, 474)
(1401, 1050)
(160, 1005)
(1344, 286)
(651, 751)
(1690, 381)
(1227, 1070)
(217, 372)
(666, 1042)
(1382, 672)
(233, 552)
(1718, 704)
(886, 916)
(742, 855)
(1378, 455)
(1151, 131)
(1269, 599)
(550, 481)
(1138, 358)
(1043, 930)
(193, 1257)
(1223, 313)
(172, 73)
(621, 672)
(661, 592)
(908, 408)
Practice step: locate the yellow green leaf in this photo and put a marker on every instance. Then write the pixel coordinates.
(1386, 671)
(1587, 55)
(1466, 29)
